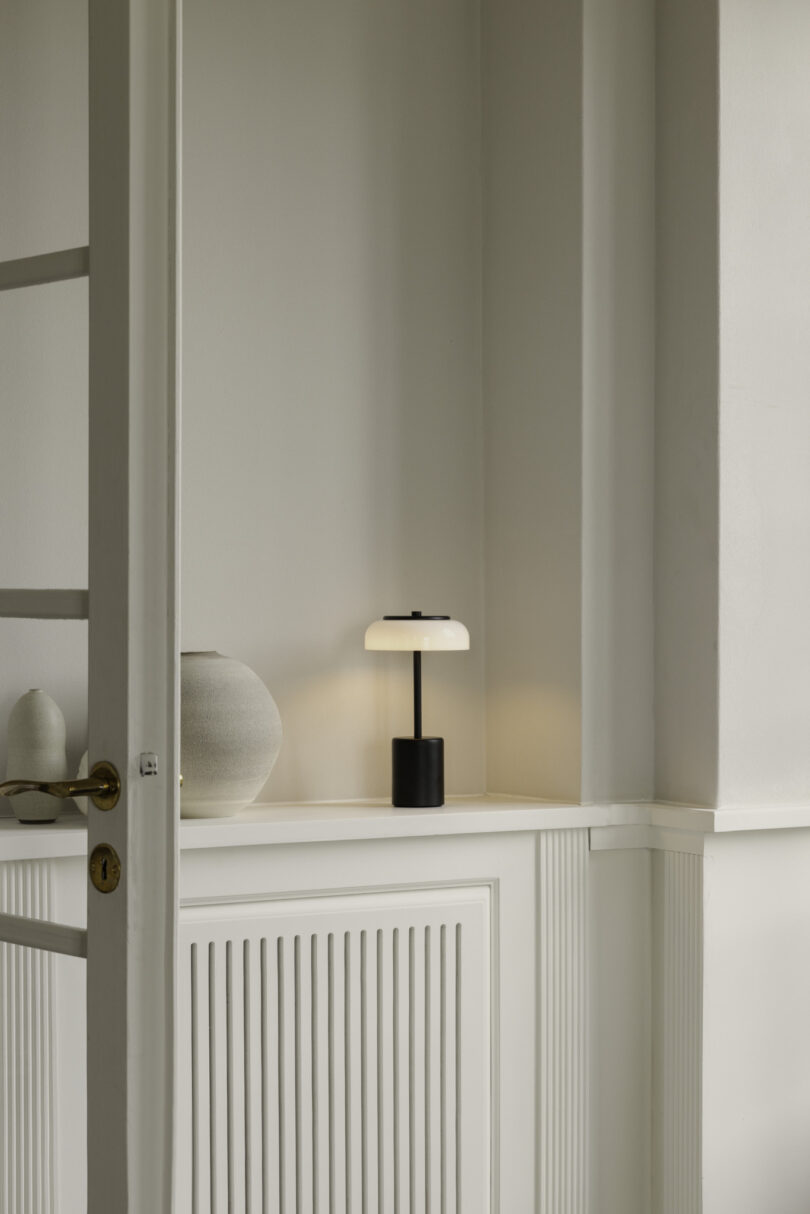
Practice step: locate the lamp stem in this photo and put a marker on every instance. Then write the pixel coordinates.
(417, 693)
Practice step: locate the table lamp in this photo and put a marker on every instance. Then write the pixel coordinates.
(417, 762)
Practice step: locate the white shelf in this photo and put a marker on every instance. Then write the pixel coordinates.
(352, 820)
(332, 821)
(627, 825)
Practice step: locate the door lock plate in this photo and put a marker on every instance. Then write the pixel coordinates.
(105, 868)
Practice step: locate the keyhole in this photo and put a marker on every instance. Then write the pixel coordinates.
(105, 868)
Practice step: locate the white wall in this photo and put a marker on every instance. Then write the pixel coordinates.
(756, 1046)
(43, 348)
(764, 402)
(332, 400)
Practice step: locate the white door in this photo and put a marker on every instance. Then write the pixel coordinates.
(131, 602)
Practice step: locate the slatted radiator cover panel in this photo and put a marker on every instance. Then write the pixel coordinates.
(338, 1057)
(27, 1050)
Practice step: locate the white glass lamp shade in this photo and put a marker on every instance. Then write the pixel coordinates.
(417, 633)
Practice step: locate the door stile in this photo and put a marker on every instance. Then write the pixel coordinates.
(133, 597)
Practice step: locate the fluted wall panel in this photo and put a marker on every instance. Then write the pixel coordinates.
(679, 982)
(27, 1051)
(562, 1161)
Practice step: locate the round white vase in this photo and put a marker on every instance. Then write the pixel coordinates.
(230, 735)
(36, 751)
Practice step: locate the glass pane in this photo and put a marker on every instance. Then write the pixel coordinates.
(43, 126)
(43, 453)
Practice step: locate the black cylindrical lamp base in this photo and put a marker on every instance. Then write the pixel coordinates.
(418, 772)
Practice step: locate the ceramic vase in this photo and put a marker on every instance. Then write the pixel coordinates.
(230, 735)
(36, 751)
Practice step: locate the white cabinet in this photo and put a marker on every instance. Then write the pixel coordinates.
(366, 1024)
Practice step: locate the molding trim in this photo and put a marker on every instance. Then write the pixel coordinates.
(655, 838)
(27, 1050)
(677, 1042)
(562, 1021)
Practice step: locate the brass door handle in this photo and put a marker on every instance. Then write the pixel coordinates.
(103, 786)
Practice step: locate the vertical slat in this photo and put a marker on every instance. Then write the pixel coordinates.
(186, 1060)
(451, 1162)
(338, 1074)
(35, 1059)
(433, 1070)
(458, 1029)
(351, 1061)
(201, 1142)
(385, 1074)
(271, 1073)
(17, 1128)
(236, 1076)
(303, 1074)
(320, 1072)
(254, 1146)
(287, 1110)
(28, 1062)
(218, 1077)
(402, 1055)
(50, 1057)
(369, 1070)
(416, 1032)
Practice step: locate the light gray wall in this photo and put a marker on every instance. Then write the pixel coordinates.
(332, 401)
(618, 400)
(686, 442)
(533, 394)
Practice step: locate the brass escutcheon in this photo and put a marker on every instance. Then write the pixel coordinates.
(105, 868)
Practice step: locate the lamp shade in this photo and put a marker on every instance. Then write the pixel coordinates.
(417, 633)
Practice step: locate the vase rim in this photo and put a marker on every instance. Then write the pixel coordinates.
(200, 653)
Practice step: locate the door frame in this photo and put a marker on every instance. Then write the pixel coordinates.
(133, 696)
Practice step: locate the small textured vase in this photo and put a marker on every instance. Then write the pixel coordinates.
(36, 751)
(230, 735)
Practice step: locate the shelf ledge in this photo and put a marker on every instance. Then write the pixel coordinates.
(612, 826)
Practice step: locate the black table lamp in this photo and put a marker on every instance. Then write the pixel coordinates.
(418, 762)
